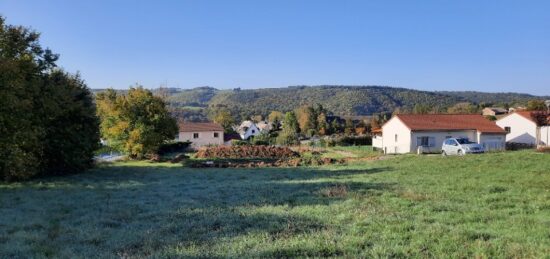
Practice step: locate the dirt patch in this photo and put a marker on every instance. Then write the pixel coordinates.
(251, 163)
(246, 152)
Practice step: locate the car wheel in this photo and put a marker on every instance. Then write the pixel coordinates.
(443, 153)
(460, 153)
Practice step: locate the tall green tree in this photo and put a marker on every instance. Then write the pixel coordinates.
(47, 117)
(349, 127)
(375, 122)
(421, 109)
(322, 125)
(136, 123)
(224, 118)
(536, 105)
(276, 117)
(463, 108)
(289, 133)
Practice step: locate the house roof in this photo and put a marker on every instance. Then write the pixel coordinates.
(435, 122)
(231, 136)
(264, 126)
(199, 126)
(541, 118)
(245, 125)
(497, 109)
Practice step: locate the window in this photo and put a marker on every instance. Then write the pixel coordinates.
(425, 141)
(448, 137)
(395, 137)
(253, 131)
(195, 135)
(508, 129)
(451, 142)
(216, 134)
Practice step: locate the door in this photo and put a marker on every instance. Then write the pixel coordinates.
(454, 146)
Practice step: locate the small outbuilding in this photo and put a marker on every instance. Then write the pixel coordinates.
(494, 111)
(412, 133)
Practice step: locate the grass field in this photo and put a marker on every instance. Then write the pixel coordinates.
(492, 205)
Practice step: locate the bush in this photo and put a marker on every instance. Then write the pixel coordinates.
(348, 141)
(260, 143)
(173, 147)
(237, 142)
(518, 146)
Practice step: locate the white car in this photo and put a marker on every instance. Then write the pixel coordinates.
(460, 146)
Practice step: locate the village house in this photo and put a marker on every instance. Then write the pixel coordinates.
(493, 111)
(425, 133)
(201, 133)
(249, 129)
(527, 127)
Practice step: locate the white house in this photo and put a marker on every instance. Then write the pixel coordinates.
(248, 129)
(201, 133)
(527, 127)
(406, 133)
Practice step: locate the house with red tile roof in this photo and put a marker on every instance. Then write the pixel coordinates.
(527, 127)
(411, 133)
(201, 133)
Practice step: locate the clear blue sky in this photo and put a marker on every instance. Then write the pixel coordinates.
(429, 45)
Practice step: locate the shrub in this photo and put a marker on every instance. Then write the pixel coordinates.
(348, 141)
(237, 142)
(518, 146)
(355, 141)
(260, 143)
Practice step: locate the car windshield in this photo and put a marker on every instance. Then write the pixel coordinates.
(464, 141)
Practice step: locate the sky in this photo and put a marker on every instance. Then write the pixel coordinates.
(491, 46)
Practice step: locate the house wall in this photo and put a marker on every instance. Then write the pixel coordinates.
(488, 112)
(396, 127)
(252, 131)
(439, 137)
(545, 135)
(205, 138)
(522, 130)
(377, 141)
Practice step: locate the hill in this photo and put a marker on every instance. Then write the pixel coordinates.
(494, 98)
(341, 100)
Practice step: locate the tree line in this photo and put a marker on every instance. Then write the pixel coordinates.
(48, 124)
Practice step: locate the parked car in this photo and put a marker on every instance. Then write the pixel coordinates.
(460, 146)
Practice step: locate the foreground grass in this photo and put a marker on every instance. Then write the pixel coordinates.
(492, 205)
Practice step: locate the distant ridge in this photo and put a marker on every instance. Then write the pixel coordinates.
(340, 99)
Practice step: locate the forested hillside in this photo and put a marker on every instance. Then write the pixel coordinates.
(341, 100)
(494, 98)
(195, 103)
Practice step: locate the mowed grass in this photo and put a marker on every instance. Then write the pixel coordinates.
(492, 205)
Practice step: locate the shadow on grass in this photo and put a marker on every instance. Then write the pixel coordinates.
(156, 210)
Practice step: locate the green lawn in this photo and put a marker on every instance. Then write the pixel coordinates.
(492, 205)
